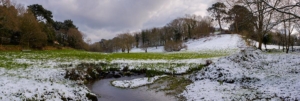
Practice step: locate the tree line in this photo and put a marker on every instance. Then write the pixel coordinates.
(171, 36)
(34, 27)
(265, 21)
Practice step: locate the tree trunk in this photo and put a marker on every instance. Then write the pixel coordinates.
(292, 47)
(236, 28)
(266, 47)
(283, 45)
(259, 45)
(219, 21)
(260, 24)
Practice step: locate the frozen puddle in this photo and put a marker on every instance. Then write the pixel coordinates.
(107, 92)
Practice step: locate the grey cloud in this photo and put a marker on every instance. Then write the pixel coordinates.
(106, 18)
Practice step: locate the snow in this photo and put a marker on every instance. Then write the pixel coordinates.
(216, 42)
(135, 82)
(248, 75)
(207, 90)
(270, 46)
(39, 79)
(150, 49)
(37, 83)
(168, 66)
(43, 79)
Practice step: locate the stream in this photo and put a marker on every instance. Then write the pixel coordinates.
(107, 92)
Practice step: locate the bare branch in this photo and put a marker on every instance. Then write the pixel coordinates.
(283, 9)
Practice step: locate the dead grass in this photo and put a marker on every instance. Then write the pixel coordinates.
(171, 86)
(10, 48)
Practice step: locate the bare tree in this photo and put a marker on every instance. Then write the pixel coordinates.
(288, 26)
(128, 41)
(264, 16)
(204, 27)
(297, 26)
(145, 39)
(137, 39)
(154, 37)
(5, 3)
(177, 28)
(190, 24)
(269, 13)
(292, 8)
(95, 47)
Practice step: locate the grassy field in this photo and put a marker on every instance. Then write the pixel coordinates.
(8, 58)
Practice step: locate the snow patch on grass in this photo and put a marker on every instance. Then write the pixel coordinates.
(36, 83)
(135, 82)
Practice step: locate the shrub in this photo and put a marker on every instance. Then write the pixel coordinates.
(174, 46)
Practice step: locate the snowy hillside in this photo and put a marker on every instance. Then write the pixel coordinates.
(249, 75)
(217, 42)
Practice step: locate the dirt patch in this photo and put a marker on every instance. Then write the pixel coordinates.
(171, 85)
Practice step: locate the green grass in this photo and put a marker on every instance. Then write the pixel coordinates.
(75, 54)
(7, 58)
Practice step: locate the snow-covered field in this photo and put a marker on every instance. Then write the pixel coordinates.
(276, 47)
(36, 83)
(44, 79)
(168, 66)
(217, 42)
(249, 75)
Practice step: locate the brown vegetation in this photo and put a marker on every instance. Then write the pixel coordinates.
(34, 28)
(174, 46)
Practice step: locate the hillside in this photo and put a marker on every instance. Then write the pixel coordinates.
(234, 74)
(248, 75)
(216, 42)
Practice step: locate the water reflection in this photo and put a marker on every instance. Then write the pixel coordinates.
(111, 93)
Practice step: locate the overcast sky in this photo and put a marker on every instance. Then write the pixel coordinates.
(104, 19)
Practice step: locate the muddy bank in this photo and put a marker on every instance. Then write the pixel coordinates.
(89, 72)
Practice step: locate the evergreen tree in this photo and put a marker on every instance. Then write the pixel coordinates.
(218, 11)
